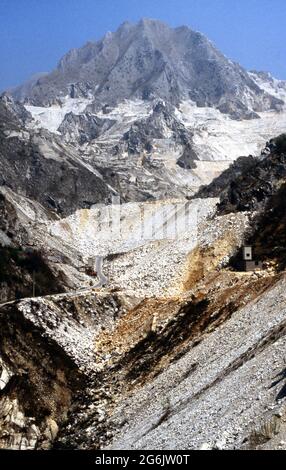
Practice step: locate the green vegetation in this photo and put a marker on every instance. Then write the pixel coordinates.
(8, 254)
(280, 143)
(18, 267)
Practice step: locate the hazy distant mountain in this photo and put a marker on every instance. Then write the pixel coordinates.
(20, 92)
(148, 60)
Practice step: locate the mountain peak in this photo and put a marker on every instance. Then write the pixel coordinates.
(150, 59)
(125, 26)
(151, 22)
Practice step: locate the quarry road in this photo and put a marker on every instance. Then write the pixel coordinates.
(103, 280)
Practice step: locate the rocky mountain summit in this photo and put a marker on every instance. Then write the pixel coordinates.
(150, 59)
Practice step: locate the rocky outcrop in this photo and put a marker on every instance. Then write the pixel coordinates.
(257, 186)
(24, 273)
(84, 128)
(12, 113)
(24, 270)
(268, 232)
(250, 181)
(47, 352)
(40, 166)
(220, 184)
(161, 124)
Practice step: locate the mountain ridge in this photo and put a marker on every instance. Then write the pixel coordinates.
(156, 111)
(149, 59)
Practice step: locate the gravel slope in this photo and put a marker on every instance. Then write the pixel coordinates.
(228, 394)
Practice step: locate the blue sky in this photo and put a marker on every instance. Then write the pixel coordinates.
(34, 34)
